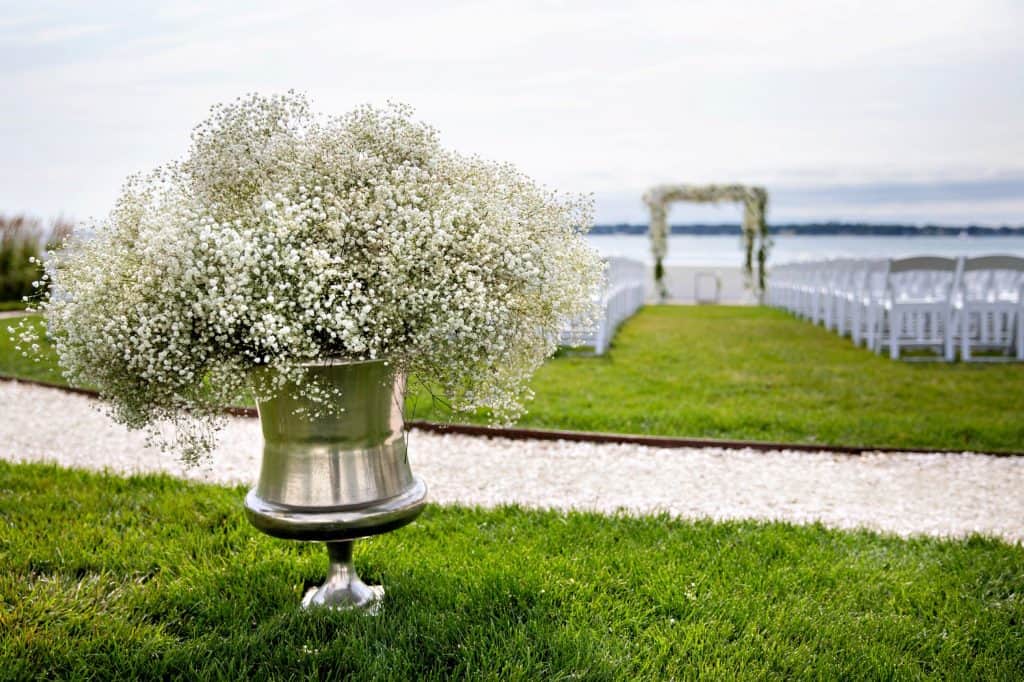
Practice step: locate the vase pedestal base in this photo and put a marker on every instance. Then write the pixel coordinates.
(343, 590)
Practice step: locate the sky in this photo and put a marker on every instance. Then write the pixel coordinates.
(896, 111)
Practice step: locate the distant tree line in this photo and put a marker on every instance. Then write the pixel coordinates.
(857, 229)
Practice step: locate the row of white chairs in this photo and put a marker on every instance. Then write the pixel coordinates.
(625, 281)
(973, 304)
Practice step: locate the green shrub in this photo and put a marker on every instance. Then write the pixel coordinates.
(21, 239)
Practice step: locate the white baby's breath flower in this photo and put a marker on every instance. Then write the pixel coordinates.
(284, 237)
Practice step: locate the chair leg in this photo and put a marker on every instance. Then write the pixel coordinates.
(883, 322)
(869, 331)
(965, 341)
(1020, 334)
(950, 354)
(895, 324)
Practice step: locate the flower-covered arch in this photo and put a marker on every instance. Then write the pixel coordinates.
(755, 229)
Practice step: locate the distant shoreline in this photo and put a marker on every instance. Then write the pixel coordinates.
(830, 229)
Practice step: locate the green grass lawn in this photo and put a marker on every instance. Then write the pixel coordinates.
(151, 577)
(756, 373)
(753, 373)
(14, 363)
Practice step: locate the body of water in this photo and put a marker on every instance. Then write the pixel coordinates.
(728, 250)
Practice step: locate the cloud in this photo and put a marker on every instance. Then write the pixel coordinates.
(586, 96)
(59, 34)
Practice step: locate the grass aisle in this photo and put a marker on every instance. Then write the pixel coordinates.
(751, 373)
(154, 577)
(760, 374)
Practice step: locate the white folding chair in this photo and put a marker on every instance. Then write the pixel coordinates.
(917, 310)
(840, 290)
(989, 305)
(780, 284)
(623, 295)
(1020, 322)
(800, 290)
(867, 306)
(846, 296)
(816, 291)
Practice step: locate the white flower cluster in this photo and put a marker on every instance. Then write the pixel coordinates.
(284, 238)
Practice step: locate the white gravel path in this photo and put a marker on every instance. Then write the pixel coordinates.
(4, 314)
(906, 494)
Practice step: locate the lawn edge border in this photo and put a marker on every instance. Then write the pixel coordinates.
(519, 433)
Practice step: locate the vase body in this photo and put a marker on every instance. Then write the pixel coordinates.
(339, 477)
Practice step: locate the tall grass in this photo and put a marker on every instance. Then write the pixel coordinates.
(23, 238)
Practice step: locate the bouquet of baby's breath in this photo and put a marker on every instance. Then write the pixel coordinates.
(284, 238)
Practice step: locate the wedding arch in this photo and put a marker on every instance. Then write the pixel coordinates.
(755, 229)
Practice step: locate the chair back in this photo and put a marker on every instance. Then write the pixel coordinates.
(996, 262)
(923, 279)
(992, 278)
(876, 278)
(922, 264)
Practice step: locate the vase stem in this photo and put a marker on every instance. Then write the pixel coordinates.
(343, 589)
(340, 553)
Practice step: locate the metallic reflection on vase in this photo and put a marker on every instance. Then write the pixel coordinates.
(337, 478)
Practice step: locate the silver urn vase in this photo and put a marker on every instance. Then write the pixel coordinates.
(339, 478)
